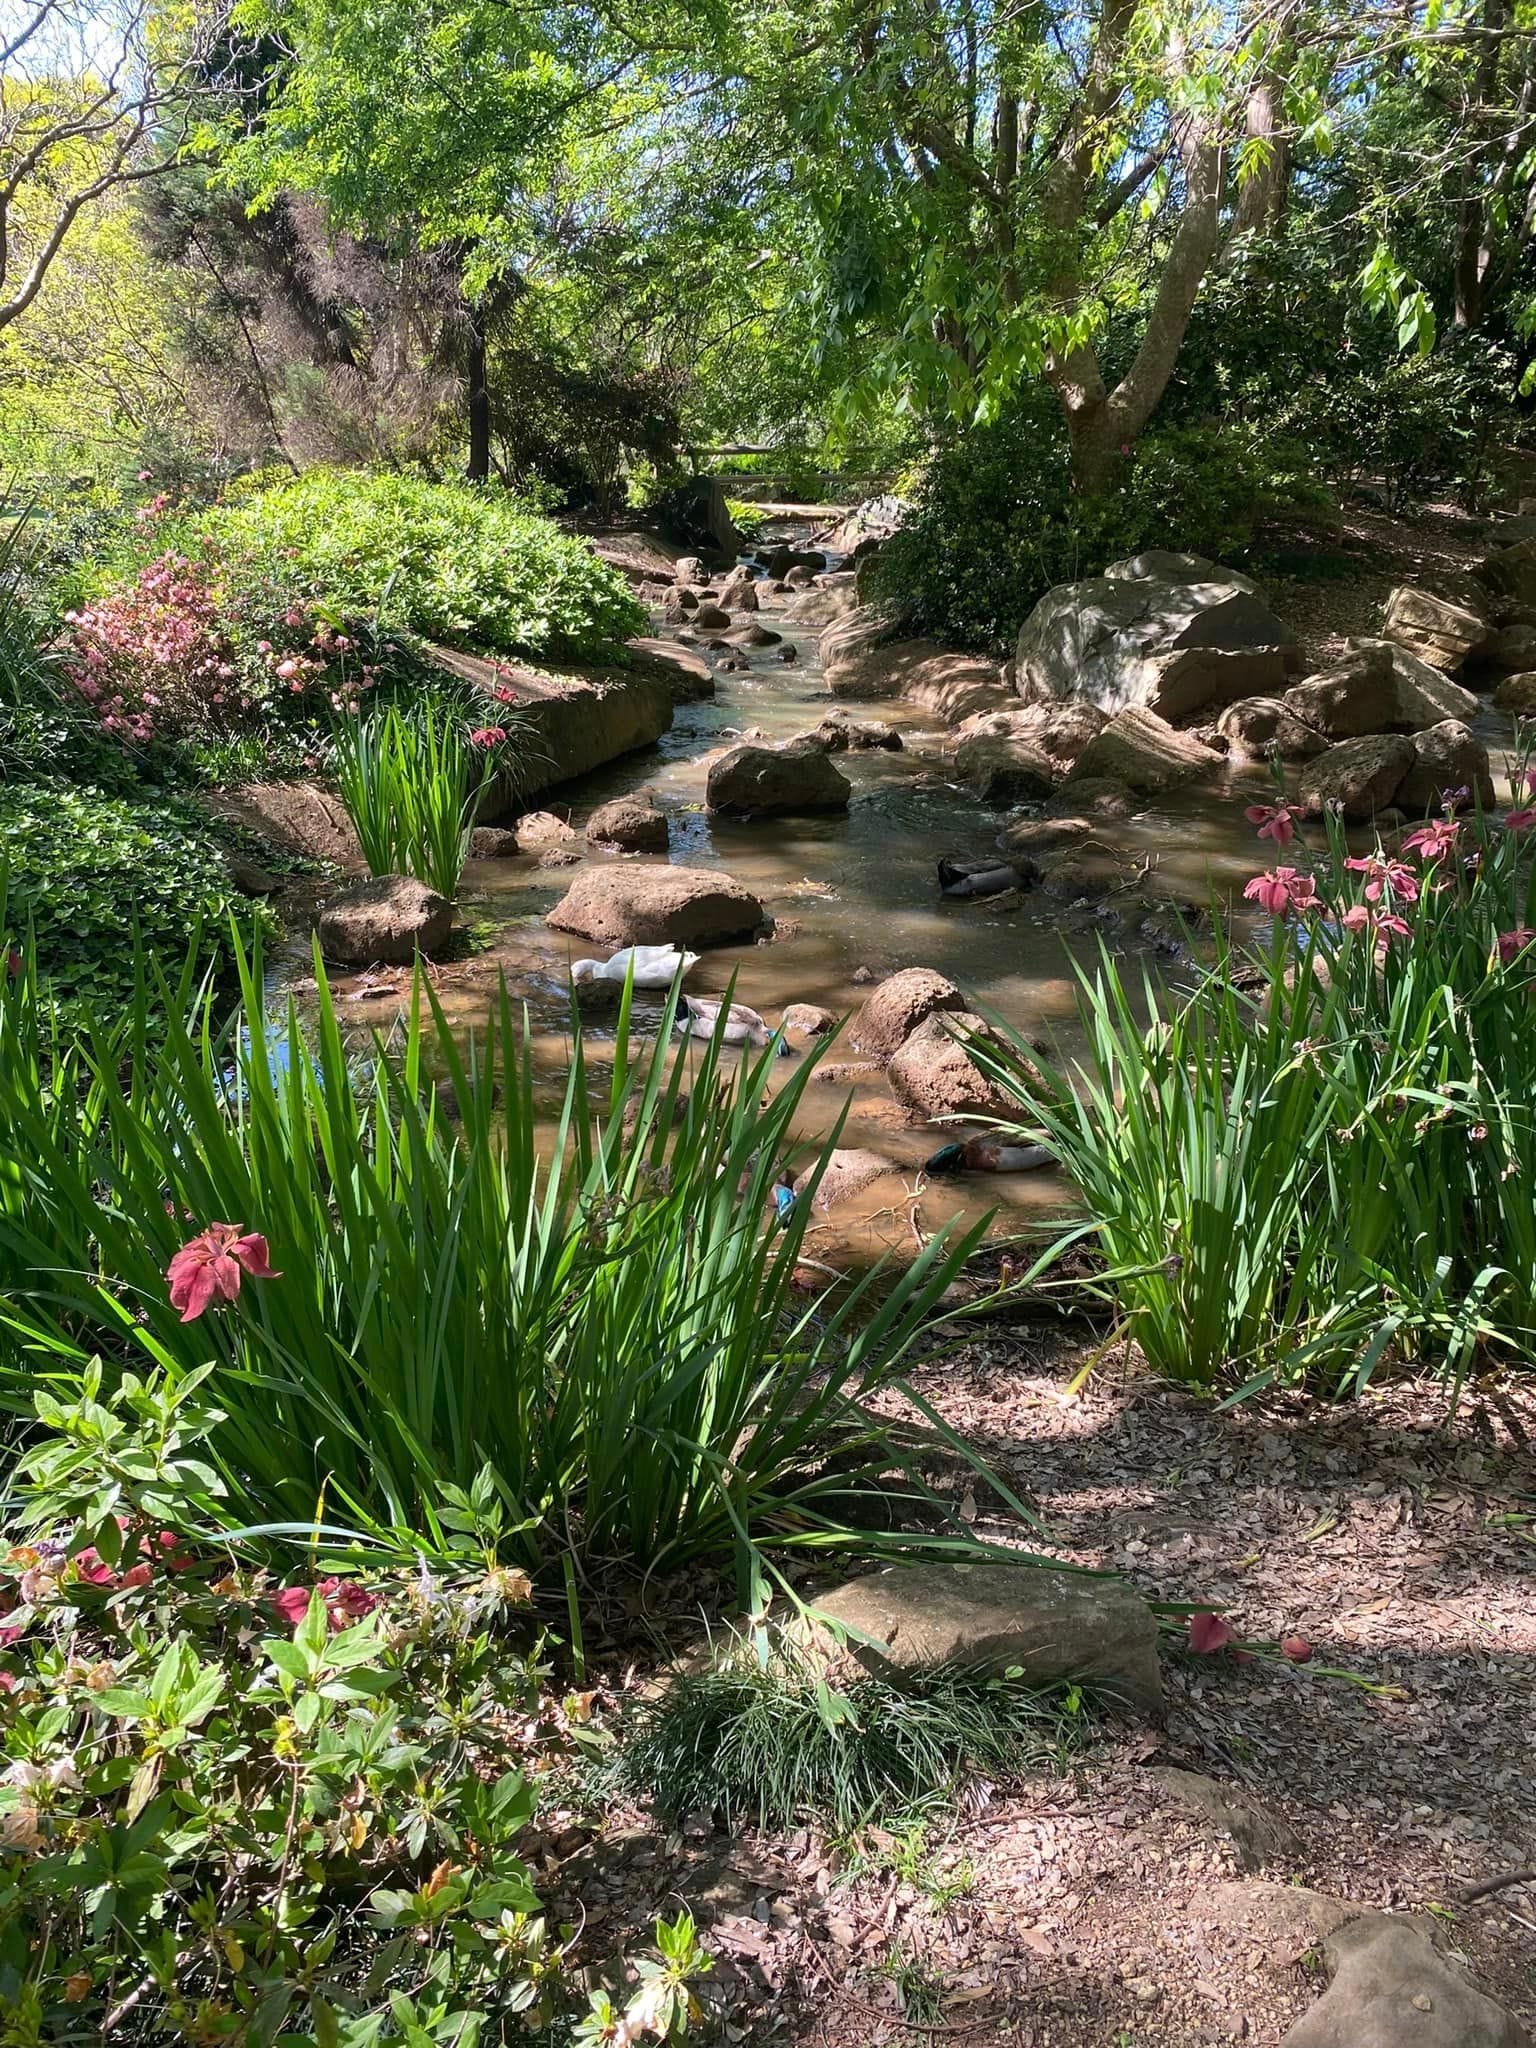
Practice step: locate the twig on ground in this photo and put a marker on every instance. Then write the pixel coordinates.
(1490, 1885)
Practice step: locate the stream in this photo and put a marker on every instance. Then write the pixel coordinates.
(853, 898)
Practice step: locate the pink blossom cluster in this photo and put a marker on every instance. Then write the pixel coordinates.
(154, 651)
(1388, 881)
(345, 1602)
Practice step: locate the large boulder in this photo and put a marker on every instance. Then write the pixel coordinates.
(1357, 777)
(845, 648)
(1171, 632)
(687, 676)
(632, 903)
(1141, 751)
(294, 817)
(1268, 729)
(1450, 765)
(764, 782)
(840, 734)
(1424, 695)
(1357, 695)
(1434, 628)
(387, 918)
(849, 1171)
(1512, 648)
(570, 724)
(1011, 756)
(863, 660)
(1392, 1988)
(893, 1010)
(1005, 771)
(1517, 694)
(932, 1072)
(538, 831)
(1047, 1625)
(631, 823)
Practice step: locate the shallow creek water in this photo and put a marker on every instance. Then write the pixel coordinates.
(851, 896)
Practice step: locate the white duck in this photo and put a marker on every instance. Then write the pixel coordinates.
(655, 966)
(699, 1015)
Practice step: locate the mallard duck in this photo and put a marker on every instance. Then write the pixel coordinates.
(699, 1015)
(655, 966)
(957, 880)
(988, 1155)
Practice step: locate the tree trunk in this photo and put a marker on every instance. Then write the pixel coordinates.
(479, 397)
(1474, 251)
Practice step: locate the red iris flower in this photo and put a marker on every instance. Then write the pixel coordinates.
(208, 1269)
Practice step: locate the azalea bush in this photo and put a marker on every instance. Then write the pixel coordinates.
(172, 656)
(242, 1804)
(1321, 1160)
(615, 1324)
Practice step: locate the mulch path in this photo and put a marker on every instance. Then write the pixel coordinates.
(1431, 547)
(1095, 1907)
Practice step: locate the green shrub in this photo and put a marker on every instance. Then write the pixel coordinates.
(91, 873)
(236, 1809)
(1282, 345)
(614, 1325)
(997, 521)
(773, 1742)
(1304, 1169)
(445, 561)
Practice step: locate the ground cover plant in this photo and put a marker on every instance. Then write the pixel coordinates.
(246, 1802)
(410, 1291)
(1320, 1159)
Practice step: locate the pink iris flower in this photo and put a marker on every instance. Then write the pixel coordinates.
(1275, 821)
(208, 1269)
(1281, 890)
(1434, 840)
(1208, 1633)
(1388, 877)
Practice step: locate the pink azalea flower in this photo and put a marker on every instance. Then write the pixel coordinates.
(208, 1269)
(1208, 1633)
(1281, 890)
(345, 1602)
(1275, 821)
(1513, 944)
(1434, 840)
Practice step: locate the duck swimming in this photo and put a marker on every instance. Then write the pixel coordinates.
(988, 1155)
(699, 1015)
(655, 966)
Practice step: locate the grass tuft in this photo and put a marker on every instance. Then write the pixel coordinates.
(772, 1743)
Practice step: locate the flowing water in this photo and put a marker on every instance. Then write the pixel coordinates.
(853, 898)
